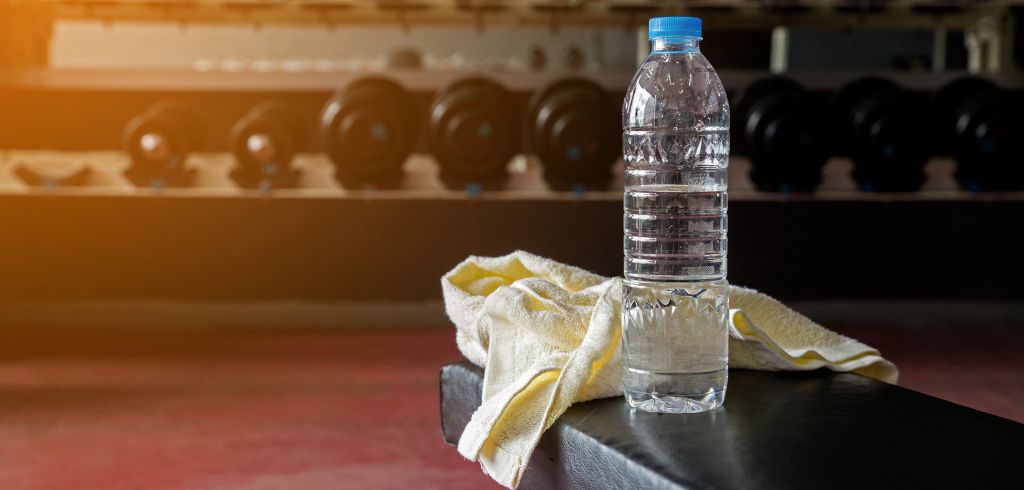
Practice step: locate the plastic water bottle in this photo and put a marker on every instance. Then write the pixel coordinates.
(676, 299)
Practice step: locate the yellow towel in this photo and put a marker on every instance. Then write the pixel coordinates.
(547, 335)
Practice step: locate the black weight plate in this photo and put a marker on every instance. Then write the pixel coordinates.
(369, 130)
(575, 128)
(252, 171)
(788, 142)
(145, 170)
(890, 141)
(947, 104)
(842, 105)
(473, 132)
(988, 146)
(750, 96)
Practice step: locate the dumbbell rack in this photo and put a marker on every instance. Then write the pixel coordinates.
(109, 240)
(391, 246)
(76, 111)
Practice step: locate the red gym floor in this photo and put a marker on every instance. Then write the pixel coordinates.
(227, 409)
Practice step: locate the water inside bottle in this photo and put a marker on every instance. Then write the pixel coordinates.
(675, 302)
(675, 346)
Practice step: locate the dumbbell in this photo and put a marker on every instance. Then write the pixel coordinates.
(264, 142)
(783, 130)
(884, 130)
(474, 130)
(369, 128)
(574, 127)
(980, 127)
(159, 141)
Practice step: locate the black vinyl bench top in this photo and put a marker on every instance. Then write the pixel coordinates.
(816, 430)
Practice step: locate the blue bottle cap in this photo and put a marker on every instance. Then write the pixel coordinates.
(674, 27)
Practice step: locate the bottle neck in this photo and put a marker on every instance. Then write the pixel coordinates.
(671, 45)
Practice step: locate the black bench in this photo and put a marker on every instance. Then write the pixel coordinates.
(817, 430)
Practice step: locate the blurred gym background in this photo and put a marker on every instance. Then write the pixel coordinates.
(226, 220)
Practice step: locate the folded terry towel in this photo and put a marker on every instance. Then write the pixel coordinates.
(547, 335)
